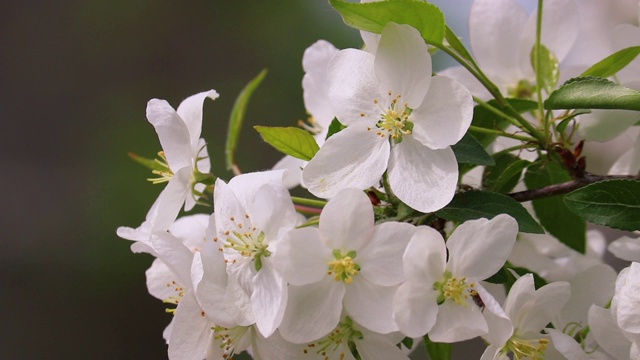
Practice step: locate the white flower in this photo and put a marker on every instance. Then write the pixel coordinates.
(626, 247)
(315, 85)
(443, 298)
(252, 214)
(347, 263)
(184, 151)
(516, 329)
(399, 119)
(502, 36)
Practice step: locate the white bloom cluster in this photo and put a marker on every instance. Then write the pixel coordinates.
(377, 266)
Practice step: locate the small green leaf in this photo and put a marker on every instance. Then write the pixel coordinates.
(237, 118)
(549, 67)
(469, 151)
(551, 211)
(374, 16)
(334, 128)
(149, 163)
(290, 140)
(456, 44)
(593, 93)
(613, 63)
(505, 276)
(504, 176)
(613, 203)
(484, 118)
(439, 351)
(470, 205)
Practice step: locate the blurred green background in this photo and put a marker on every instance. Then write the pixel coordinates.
(76, 77)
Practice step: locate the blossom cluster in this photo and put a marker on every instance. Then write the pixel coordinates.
(394, 247)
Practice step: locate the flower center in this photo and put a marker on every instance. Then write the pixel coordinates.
(343, 268)
(229, 338)
(394, 121)
(522, 90)
(247, 242)
(342, 336)
(174, 299)
(456, 289)
(161, 168)
(521, 349)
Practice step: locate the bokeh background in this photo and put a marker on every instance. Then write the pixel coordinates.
(75, 77)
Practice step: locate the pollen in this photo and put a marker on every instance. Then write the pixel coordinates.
(344, 267)
(530, 349)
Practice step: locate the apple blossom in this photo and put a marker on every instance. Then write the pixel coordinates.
(443, 297)
(398, 118)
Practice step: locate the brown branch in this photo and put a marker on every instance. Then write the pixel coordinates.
(566, 187)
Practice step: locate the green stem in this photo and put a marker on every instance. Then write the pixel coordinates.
(537, 61)
(500, 133)
(497, 112)
(309, 202)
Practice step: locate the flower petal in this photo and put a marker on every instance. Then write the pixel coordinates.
(444, 116)
(353, 87)
(371, 305)
(173, 133)
(381, 258)
(353, 158)
(479, 248)
(457, 323)
(607, 333)
(315, 82)
(303, 257)
(312, 311)
(191, 332)
(403, 64)
(346, 222)
(268, 300)
(415, 308)
(422, 178)
(424, 259)
(377, 346)
(190, 110)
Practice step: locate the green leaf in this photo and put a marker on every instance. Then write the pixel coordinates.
(456, 44)
(613, 63)
(290, 140)
(551, 211)
(613, 203)
(593, 93)
(504, 176)
(470, 205)
(469, 151)
(237, 118)
(334, 128)
(505, 276)
(549, 67)
(439, 351)
(374, 16)
(484, 118)
(149, 163)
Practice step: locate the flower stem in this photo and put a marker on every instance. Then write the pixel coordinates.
(309, 202)
(500, 133)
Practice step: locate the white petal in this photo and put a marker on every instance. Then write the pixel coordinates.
(190, 110)
(479, 248)
(158, 276)
(403, 64)
(191, 332)
(464, 77)
(498, 322)
(547, 302)
(275, 347)
(381, 258)
(293, 170)
(425, 256)
(246, 185)
(377, 346)
(175, 255)
(352, 158)
(371, 305)
(272, 212)
(567, 345)
(444, 116)
(628, 300)
(494, 30)
(607, 333)
(521, 292)
(268, 300)
(171, 199)
(422, 178)
(191, 230)
(415, 308)
(457, 323)
(626, 248)
(353, 87)
(312, 311)
(173, 133)
(315, 82)
(604, 125)
(304, 256)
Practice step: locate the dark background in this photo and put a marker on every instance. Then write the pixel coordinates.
(75, 77)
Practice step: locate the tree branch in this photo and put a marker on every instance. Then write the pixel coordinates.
(566, 187)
